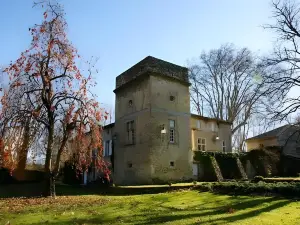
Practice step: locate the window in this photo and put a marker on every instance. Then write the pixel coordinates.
(106, 148)
(198, 124)
(172, 98)
(172, 131)
(213, 126)
(110, 147)
(172, 164)
(130, 132)
(201, 144)
(223, 146)
(129, 165)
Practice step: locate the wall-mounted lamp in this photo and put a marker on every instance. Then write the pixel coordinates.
(217, 137)
(163, 130)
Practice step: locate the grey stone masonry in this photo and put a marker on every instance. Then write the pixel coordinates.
(153, 65)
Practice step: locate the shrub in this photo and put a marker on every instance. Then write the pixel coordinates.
(258, 178)
(290, 166)
(281, 179)
(266, 162)
(71, 175)
(5, 176)
(239, 188)
(228, 165)
(205, 159)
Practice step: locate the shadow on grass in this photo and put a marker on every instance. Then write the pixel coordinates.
(214, 215)
(21, 190)
(250, 214)
(34, 190)
(223, 211)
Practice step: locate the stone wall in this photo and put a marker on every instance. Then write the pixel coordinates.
(152, 157)
(152, 65)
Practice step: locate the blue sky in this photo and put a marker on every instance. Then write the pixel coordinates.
(121, 33)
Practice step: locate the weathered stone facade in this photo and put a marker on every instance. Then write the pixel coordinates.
(154, 134)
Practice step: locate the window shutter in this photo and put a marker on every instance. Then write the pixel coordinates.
(110, 147)
(104, 148)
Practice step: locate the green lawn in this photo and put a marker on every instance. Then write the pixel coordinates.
(176, 207)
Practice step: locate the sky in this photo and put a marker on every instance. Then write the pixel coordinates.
(121, 33)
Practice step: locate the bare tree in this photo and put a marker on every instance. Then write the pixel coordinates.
(226, 84)
(284, 63)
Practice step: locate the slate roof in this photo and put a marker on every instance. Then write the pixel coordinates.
(154, 65)
(272, 133)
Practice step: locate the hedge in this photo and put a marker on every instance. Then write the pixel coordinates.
(208, 166)
(281, 179)
(227, 165)
(5, 176)
(71, 175)
(290, 166)
(26, 176)
(266, 162)
(240, 188)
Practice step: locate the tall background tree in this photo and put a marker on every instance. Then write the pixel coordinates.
(225, 85)
(284, 62)
(54, 98)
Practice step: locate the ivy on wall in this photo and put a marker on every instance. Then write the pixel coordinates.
(228, 166)
(219, 165)
(209, 165)
(266, 162)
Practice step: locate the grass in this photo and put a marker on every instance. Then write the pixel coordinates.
(174, 207)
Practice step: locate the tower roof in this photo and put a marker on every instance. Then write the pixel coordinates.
(154, 65)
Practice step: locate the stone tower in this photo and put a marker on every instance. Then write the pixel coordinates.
(152, 124)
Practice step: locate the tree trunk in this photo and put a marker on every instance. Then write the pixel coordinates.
(49, 188)
(1, 152)
(49, 178)
(23, 151)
